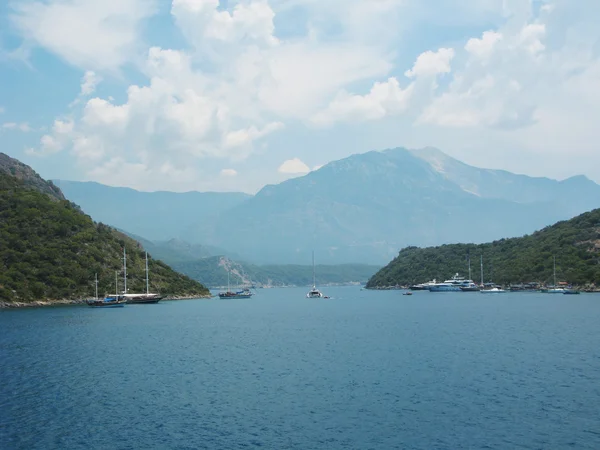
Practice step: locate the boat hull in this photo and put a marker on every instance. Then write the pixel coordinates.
(143, 300)
(233, 295)
(104, 304)
(469, 289)
(444, 289)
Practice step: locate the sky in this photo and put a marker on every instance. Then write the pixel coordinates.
(232, 95)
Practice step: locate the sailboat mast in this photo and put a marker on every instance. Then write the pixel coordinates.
(116, 284)
(555, 271)
(228, 288)
(96, 281)
(147, 286)
(124, 271)
(482, 269)
(469, 258)
(314, 278)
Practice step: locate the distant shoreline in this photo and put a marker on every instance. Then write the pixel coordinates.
(64, 302)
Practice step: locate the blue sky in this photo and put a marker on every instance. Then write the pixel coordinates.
(232, 95)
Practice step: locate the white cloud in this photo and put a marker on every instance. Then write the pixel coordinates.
(236, 85)
(482, 48)
(245, 136)
(102, 35)
(89, 82)
(228, 173)
(386, 98)
(24, 126)
(202, 20)
(62, 134)
(494, 88)
(293, 166)
(252, 70)
(432, 63)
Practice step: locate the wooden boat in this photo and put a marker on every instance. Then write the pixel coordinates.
(230, 295)
(148, 297)
(116, 301)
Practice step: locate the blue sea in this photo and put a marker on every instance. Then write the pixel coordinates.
(362, 370)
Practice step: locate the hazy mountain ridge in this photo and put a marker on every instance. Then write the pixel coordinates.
(368, 206)
(577, 193)
(158, 215)
(212, 272)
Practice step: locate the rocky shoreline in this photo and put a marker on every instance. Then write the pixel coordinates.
(62, 302)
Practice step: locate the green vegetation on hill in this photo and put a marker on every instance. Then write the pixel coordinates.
(213, 272)
(50, 250)
(575, 244)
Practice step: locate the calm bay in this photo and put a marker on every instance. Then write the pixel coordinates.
(362, 370)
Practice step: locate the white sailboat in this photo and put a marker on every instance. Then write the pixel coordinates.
(314, 292)
(148, 297)
(554, 289)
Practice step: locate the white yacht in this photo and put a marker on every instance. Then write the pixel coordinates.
(452, 285)
(422, 286)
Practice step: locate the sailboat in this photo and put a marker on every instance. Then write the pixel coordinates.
(109, 302)
(148, 297)
(554, 289)
(469, 286)
(314, 292)
(244, 293)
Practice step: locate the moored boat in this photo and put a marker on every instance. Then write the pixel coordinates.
(108, 302)
(238, 294)
(314, 292)
(554, 289)
(494, 290)
(452, 285)
(422, 286)
(116, 301)
(229, 294)
(471, 287)
(148, 297)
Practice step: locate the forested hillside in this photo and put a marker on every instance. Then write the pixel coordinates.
(575, 243)
(50, 250)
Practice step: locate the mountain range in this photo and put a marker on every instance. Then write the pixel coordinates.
(363, 208)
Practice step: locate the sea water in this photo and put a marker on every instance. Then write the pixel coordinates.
(362, 370)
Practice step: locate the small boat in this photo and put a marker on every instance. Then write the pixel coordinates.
(554, 289)
(314, 292)
(407, 293)
(422, 286)
(471, 287)
(238, 294)
(230, 295)
(493, 290)
(116, 301)
(148, 297)
(108, 302)
(571, 292)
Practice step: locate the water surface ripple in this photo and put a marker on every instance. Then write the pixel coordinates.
(363, 370)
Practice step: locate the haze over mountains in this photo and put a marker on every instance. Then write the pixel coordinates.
(363, 208)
